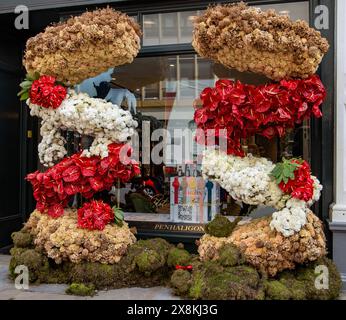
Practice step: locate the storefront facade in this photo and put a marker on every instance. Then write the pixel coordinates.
(164, 80)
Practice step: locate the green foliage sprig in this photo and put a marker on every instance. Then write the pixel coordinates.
(118, 216)
(26, 85)
(284, 170)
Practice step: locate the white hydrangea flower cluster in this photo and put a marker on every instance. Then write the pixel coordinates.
(94, 117)
(248, 180)
(317, 191)
(52, 145)
(291, 218)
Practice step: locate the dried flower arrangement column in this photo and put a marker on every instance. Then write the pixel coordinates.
(248, 39)
(65, 54)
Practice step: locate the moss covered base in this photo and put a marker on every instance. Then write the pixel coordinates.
(228, 278)
(150, 263)
(147, 263)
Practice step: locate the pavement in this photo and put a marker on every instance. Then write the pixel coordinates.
(57, 291)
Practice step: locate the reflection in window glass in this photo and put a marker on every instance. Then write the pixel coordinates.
(295, 10)
(177, 27)
(186, 25)
(151, 29)
(187, 77)
(161, 92)
(169, 28)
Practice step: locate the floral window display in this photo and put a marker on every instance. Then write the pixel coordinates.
(81, 237)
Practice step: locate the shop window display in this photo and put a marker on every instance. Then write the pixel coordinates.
(174, 84)
(163, 94)
(84, 232)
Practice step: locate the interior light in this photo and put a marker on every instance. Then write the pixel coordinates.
(284, 12)
(149, 22)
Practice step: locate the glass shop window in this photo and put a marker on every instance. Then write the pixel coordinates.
(168, 28)
(161, 92)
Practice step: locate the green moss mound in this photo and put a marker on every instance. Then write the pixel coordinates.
(178, 256)
(234, 280)
(241, 282)
(319, 280)
(307, 282)
(145, 265)
(36, 263)
(220, 226)
(81, 289)
(276, 290)
(140, 203)
(230, 256)
(180, 282)
(212, 281)
(22, 239)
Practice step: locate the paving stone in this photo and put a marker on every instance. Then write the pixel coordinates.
(343, 296)
(5, 259)
(48, 288)
(5, 283)
(155, 293)
(27, 295)
(9, 294)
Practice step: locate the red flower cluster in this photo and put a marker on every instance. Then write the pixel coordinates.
(46, 94)
(302, 186)
(94, 215)
(76, 174)
(244, 110)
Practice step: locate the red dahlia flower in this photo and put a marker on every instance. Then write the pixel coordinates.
(45, 93)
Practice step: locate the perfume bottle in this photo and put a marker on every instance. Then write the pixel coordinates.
(187, 170)
(180, 172)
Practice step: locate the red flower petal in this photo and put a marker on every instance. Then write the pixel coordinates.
(71, 174)
(56, 210)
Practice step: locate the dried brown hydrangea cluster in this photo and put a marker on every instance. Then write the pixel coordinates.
(248, 39)
(62, 240)
(83, 46)
(267, 250)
